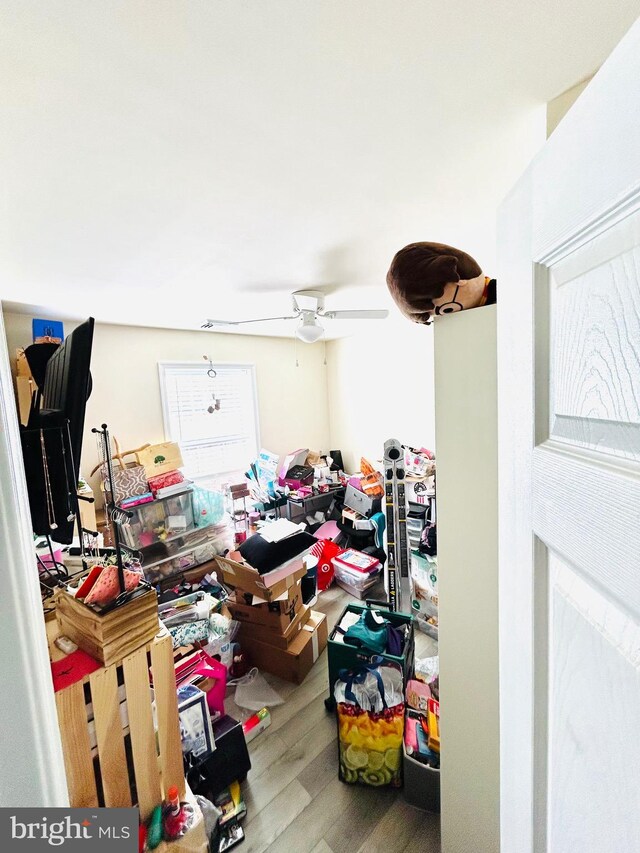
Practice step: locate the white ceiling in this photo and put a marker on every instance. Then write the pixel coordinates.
(162, 162)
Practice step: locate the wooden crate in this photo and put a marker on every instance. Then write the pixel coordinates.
(110, 637)
(133, 763)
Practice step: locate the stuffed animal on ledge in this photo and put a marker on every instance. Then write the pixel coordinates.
(429, 279)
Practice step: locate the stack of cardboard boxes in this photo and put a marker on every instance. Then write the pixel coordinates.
(279, 633)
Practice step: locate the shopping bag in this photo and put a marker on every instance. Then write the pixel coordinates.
(208, 506)
(325, 550)
(129, 478)
(370, 710)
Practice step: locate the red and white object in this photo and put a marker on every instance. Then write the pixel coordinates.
(357, 562)
(162, 481)
(256, 724)
(325, 550)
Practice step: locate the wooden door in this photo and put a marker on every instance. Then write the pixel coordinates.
(569, 459)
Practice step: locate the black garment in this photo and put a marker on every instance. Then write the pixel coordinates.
(267, 556)
(492, 296)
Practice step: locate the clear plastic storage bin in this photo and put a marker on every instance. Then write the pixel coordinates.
(160, 520)
(358, 580)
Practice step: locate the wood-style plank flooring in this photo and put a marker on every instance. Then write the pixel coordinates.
(295, 802)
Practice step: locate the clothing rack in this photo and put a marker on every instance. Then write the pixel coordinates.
(117, 517)
(52, 480)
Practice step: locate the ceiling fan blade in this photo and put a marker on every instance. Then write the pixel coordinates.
(209, 324)
(364, 314)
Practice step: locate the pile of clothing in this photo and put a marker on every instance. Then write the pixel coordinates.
(275, 545)
(370, 630)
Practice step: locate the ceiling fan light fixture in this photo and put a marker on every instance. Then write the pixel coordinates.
(309, 331)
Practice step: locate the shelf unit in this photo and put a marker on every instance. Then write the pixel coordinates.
(419, 513)
(143, 534)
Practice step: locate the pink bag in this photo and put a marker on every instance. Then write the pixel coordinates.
(209, 667)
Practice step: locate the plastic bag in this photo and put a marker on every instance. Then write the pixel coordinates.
(253, 692)
(208, 507)
(222, 645)
(220, 625)
(373, 686)
(428, 671)
(210, 813)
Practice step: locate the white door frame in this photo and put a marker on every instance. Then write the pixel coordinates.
(31, 763)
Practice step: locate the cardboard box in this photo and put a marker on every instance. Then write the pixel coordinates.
(294, 662)
(160, 458)
(25, 388)
(358, 501)
(288, 601)
(266, 634)
(276, 615)
(240, 575)
(22, 366)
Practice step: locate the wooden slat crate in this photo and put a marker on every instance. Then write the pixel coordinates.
(110, 637)
(131, 763)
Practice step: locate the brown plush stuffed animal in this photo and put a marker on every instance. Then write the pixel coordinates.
(433, 278)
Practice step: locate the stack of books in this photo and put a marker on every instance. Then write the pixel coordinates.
(136, 500)
(166, 485)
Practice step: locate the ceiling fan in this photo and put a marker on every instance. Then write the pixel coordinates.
(308, 308)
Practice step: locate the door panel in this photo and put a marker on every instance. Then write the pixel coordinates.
(595, 343)
(593, 655)
(569, 472)
(589, 512)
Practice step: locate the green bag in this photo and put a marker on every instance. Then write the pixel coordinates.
(369, 632)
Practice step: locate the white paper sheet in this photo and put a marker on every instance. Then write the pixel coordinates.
(280, 529)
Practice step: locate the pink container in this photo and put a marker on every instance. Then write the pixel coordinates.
(45, 557)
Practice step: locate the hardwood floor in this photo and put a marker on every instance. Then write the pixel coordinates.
(295, 802)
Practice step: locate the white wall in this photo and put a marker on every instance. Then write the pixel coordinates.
(466, 433)
(560, 106)
(126, 393)
(381, 388)
(27, 705)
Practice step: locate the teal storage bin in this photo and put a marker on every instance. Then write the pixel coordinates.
(343, 656)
